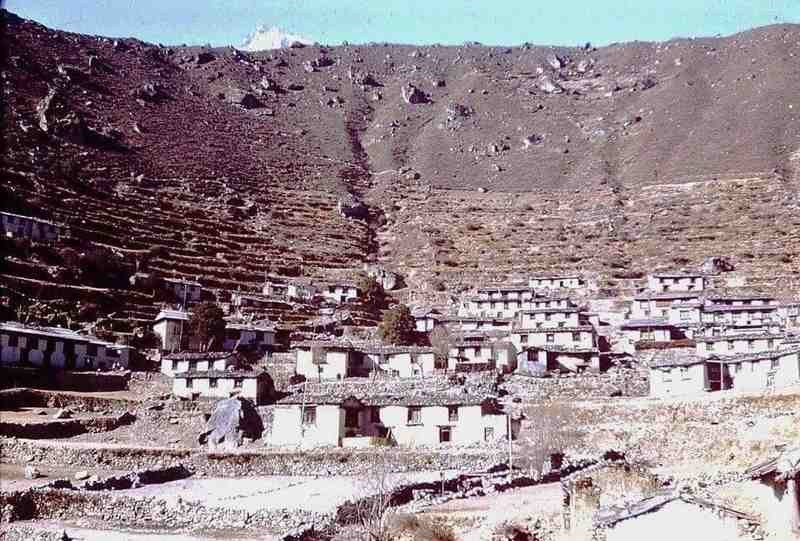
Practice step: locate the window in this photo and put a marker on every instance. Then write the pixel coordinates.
(212, 382)
(192, 365)
(189, 383)
(685, 314)
(488, 433)
(375, 414)
(547, 316)
(731, 345)
(445, 434)
(415, 415)
(576, 337)
(773, 364)
(237, 383)
(561, 324)
(13, 340)
(770, 343)
(505, 306)
(310, 415)
(91, 349)
(452, 414)
(174, 365)
(523, 338)
(551, 338)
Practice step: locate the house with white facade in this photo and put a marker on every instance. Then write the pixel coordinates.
(789, 314)
(676, 281)
(425, 318)
(537, 360)
(339, 292)
(172, 327)
(693, 374)
(550, 318)
(255, 385)
(339, 359)
(660, 305)
(740, 299)
(580, 336)
(740, 315)
(551, 281)
(477, 323)
(19, 226)
(774, 489)
(241, 301)
(205, 361)
(54, 347)
(735, 344)
(635, 331)
(188, 290)
(368, 413)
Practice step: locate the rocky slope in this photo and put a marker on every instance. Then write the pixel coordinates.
(476, 162)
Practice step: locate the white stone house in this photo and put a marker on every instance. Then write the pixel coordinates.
(685, 314)
(473, 356)
(19, 226)
(54, 347)
(549, 281)
(659, 305)
(339, 292)
(676, 281)
(580, 336)
(298, 289)
(537, 360)
(254, 385)
(477, 323)
(189, 290)
(635, 331)
(789, 314)
(744, 372)
(425, 319)
(321, 360)
(172, 327)
(550, 318)
(248, 300)
(421, 418)
(741, 315)
(677, 376)
(715, 299)
(198, 362)
(734, 344)
(256, 335)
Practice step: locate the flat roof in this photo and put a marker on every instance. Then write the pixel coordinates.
(741, 308)
(645, 323)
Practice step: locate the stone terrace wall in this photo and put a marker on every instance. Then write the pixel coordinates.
(262, 462)
(617, 382)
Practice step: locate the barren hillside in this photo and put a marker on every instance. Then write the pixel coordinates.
(498, 161)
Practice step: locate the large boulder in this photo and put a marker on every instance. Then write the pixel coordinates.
(233, 419)
(717, 265)
(351, 206)
(412, 94)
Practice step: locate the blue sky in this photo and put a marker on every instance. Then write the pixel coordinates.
(496, 22)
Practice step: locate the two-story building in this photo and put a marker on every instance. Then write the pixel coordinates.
(554, 281)
(339, 292)
(205, 361)
(580, 336)
(172, 328)
(54, 347)
(751, 315)
(650, 330)
(362, 415)
(252, 335)
(735, 344)
(256, 385)
(339, 359)
(550, 318)
(676, 281)
(651, 305)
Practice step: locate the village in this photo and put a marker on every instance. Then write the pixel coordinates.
(449, 381)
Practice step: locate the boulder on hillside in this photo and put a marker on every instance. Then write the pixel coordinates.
(351, 206)
(244, 99)
(717, 265)
(233, 419)
(546, 84)
(152, 92)
(554, 61)
(204, 58)
(412, 94)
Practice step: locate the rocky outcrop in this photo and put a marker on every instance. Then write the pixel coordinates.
(351, 206)
(413, 95)
(233, 419)
(717, 265)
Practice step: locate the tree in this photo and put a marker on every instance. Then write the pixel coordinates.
(398, 326)
(372, 291)
(207, 325)
(442, 340)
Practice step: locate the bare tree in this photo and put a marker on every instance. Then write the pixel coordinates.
(551, 433)
(443, 340)
(375, 513)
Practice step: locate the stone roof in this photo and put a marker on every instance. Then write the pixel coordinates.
(667, 358)
(476, 319)
(553, 310)
(251, 326)
(542, 330)
(645, 323)
(506, 287)
(182, 281)
(667, 295)
(199, 355)
(743, 336)
(758, 356)
(739, 296)
(31, 218)
(378, 392)
(484, 334)
(56, 333)
(607, 517)
(562, 349)
(784, 466)
(178, 315)
(220, 374)
(554, 276)
(740, 308)
(364, 347)
(677, 274)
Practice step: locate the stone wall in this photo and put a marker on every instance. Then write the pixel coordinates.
(65, 428)
(64, 380)
(261, 462)
(615, 382)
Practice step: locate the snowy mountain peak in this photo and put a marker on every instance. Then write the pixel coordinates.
(271, 38)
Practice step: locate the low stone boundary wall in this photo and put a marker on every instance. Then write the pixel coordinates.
(65, 428)
(620, 382)
(64, 380)
(33, 398)
(260, 462)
